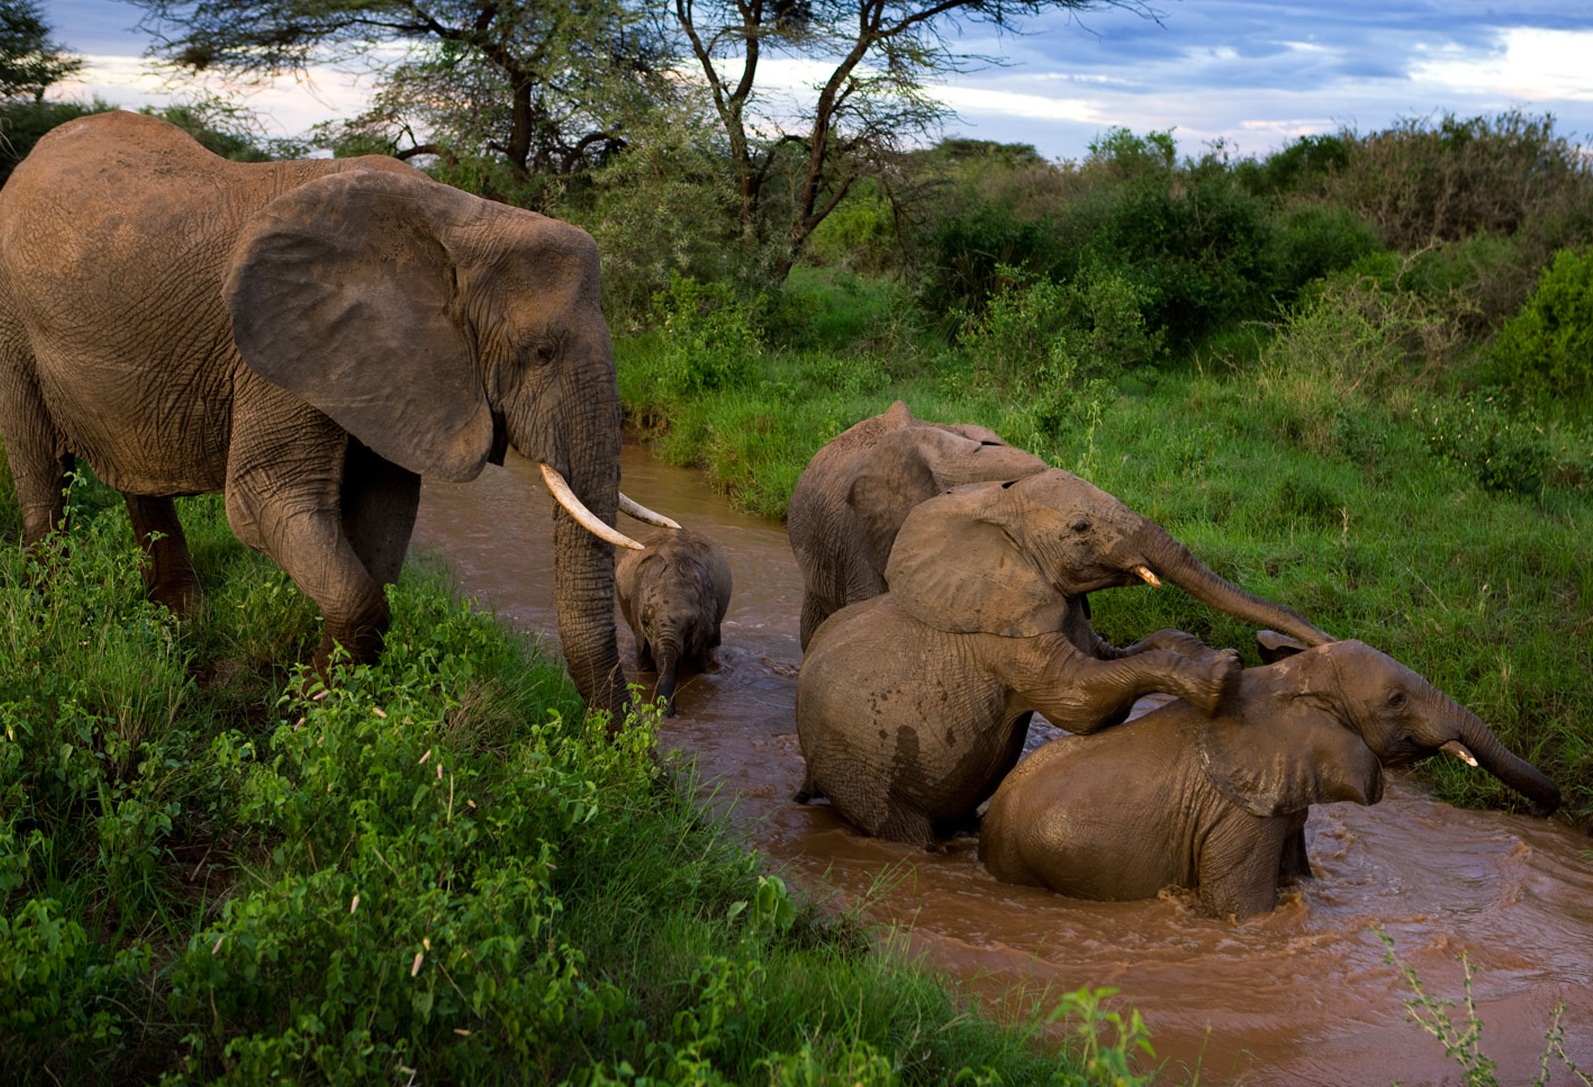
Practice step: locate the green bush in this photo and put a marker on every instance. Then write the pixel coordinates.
(1545, 353)
(711, 340)
(972, 255)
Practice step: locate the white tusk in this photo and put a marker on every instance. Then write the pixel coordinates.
(635, 509)
(1458, 749)
(585, 517)
(1150, 579)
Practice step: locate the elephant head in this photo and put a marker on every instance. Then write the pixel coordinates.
(437, 328)
(1397, 713)
(673, 594)
(1017, 558)
(852, 498)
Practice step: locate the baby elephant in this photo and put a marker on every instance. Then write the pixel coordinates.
(673, 593)
(1218, 804)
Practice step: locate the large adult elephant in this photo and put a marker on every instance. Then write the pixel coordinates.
(850, 501)
(911, 706)
(311, 338)
(1218, 805)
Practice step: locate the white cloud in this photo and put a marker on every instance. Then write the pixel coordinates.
(1534, 65)
(287, 105)
(1018, 104)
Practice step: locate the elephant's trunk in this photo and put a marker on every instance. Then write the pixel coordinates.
(583, 583)
(1172, 561)
(1503, 763)
(666, 682)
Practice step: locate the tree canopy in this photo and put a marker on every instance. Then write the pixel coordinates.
(29, 61)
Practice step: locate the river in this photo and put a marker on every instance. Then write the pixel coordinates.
(1300, 997)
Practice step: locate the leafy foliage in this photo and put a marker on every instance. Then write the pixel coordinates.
(1545, 353)
(29, 61)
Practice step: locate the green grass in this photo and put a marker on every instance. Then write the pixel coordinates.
(1321, 466)
(215, 870)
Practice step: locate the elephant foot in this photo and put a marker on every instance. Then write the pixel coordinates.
(1220, 682)
(809, 791)
(180, 596)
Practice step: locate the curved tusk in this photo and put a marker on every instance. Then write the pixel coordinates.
(583, 516)
(629, 505)
(1458, 749)
(1150, 579)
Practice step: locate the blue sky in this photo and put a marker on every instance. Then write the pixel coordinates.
(1251, 73)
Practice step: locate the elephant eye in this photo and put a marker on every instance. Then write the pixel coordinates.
(1081, 526)
(543, 353)
(1396, 700)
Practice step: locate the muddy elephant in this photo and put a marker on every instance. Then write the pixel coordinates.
(674, 594)
(912, 706)
(309, 338)
(1218, 805)
(851, 499)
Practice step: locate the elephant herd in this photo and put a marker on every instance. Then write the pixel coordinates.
(311, 338)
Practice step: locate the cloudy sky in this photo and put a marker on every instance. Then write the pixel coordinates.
(1252, 73)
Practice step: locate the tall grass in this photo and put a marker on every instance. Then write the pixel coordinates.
(215, 869)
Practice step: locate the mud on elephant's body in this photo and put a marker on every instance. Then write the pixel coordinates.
(311, 338)
(850, 501)
(911, 706)
(1218, 804)
(674, 594)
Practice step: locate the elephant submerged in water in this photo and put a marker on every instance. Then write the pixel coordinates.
(674, 594)
(1218, 804)
(310, 338)
(850, 501)
(911, 706)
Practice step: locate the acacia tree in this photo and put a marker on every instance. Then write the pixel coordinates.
(29, 61)
(540, 84)
(881, 57)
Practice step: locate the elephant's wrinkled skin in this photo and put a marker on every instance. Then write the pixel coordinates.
(912, 706)
(674, 594)
(851, 499)
(311, 338)
(1218, 804)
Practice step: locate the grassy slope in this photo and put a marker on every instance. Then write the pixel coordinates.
(212, 871)
(1359, 502)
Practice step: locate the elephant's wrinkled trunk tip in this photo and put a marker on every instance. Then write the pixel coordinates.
(1150, 579)
(584, 517)
(641, 513)
(1458, 749)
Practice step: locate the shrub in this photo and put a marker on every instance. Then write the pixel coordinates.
(1420, 181)
(972, 256)
(1545, 353)
(711, 340)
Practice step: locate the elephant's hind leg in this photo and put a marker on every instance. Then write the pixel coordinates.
(169, 576)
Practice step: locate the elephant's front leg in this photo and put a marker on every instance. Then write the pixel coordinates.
(1080, 693)
(292, 508)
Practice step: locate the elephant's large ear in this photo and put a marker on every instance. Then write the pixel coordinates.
(1286, 766)
(895, 477)
(341, 293)
(956, 567)
(1273, 646)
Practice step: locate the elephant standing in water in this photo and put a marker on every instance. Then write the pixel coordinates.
(674, 594)
(912, 706)
(1218, 804)
(310, 338)
(850, 501)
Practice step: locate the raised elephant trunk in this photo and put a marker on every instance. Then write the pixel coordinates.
(1501, 762)
(1171, 560)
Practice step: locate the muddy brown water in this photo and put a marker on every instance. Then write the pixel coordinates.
(1301, 996)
